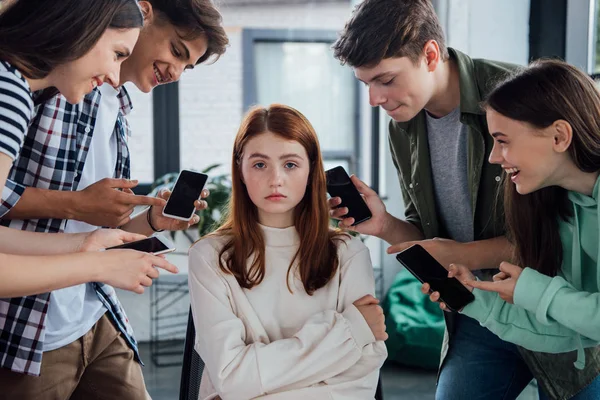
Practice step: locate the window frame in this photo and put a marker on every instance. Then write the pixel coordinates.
(250, 36)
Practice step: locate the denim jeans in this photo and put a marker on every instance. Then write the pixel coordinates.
(480, 365)
(590, 392)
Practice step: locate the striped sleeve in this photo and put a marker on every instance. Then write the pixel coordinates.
(16, 111)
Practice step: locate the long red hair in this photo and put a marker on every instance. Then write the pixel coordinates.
(317, 255)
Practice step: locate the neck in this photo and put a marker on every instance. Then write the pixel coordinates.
(283, 220)
(447, 95)
(576, 180)
(39, 84)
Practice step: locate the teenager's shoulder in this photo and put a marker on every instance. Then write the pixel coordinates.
(209, 247)
(349, 246)
(489, 73)
(14, 82)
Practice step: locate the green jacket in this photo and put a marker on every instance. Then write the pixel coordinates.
(410, 154)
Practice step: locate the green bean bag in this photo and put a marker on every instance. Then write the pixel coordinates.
(415, 325)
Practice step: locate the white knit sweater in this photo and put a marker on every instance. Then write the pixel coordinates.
(272, 344)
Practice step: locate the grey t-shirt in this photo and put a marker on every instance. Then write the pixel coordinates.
(448, 152)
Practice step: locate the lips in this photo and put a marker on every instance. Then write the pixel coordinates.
(276, 196)
(157, 75)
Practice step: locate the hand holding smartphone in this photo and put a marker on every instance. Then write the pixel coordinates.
(427, 270)
(154, 244)
(186, 191)
(340, 185)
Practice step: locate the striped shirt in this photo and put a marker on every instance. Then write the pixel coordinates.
(16, 109)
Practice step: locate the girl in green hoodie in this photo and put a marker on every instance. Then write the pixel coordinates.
(546, 124)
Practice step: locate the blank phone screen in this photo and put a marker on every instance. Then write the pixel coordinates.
(340, 185)
(186, 191)
(149, 245)
(426, 268)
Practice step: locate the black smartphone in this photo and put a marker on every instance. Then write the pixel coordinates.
(154, 244)
(186, 191)
(426, 269)
(340, 185)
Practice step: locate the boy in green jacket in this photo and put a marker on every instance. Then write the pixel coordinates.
(439, 143)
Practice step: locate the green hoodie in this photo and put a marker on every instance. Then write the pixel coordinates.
(559, 314)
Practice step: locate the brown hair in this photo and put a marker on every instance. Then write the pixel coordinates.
(38, 36)
(195, 18)
(547, 91)
(317, 254)
(380, 29)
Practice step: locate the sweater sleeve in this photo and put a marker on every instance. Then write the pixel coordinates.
(553, 298)
(328, 344)
(356, 281)
(544, 318)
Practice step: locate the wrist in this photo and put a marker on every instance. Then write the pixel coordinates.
(76, 242)
(71, 202)
(151, 223)
(386, 229)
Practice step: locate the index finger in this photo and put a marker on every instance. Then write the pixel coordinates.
(136, 200)
(484, 285)
(397, 248)
(160, 262)
(361, 186)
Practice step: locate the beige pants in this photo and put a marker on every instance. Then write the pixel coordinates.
(99, 365)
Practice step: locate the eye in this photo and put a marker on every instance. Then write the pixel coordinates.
(175, 52)
(388, 82)
(290, 165)
(259, 165)
(120, 55)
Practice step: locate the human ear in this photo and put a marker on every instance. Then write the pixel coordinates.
(562, 135)
(432, 55)
(147, 10)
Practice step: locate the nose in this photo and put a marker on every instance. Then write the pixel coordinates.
(495, 155)
(175, 71)
(375, 97)
(276, 178)
(112, 78)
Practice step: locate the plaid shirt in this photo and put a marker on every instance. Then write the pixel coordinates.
(52, 157)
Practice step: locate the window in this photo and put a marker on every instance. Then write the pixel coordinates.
(297, 68)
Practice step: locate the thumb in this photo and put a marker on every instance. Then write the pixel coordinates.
(397, 248)
(509, 269)
(366, 300)
(128, 237)
(362, 187)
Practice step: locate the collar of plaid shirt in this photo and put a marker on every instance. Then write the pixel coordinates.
(60, 134)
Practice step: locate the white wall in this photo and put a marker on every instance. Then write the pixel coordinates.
(493, 29)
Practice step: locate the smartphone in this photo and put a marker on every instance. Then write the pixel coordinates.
(340, 185)
(154, 244)
(426, 269)
(187, 190)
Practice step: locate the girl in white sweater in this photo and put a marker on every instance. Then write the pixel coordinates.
(283, 304)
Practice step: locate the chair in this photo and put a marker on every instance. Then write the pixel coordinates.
(191, 370)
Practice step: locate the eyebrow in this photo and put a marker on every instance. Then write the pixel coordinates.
(186, 51)
(283, 156)
(495, 135)
(378, 76)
